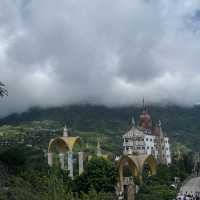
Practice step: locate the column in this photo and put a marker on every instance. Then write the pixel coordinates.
(70, 163)
(50, 159)
(80, 162)
(62, 160)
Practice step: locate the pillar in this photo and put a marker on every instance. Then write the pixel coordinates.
(80, 162)
(62, 160)
(50, 159)
(70, 163)
(131, 192)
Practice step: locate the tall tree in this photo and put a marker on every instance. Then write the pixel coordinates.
(3, 91)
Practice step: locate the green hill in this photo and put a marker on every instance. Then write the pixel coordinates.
(181, 124)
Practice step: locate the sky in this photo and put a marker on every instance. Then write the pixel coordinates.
(107, 52)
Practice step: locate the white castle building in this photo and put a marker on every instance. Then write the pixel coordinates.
(147, 139)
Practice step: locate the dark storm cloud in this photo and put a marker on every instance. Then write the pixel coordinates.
(100, 51)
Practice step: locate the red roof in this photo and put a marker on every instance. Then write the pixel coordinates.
(145, 120)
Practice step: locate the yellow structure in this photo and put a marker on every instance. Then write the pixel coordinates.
(99, 152)
(64, 146)
(136, 164)
(64, 143)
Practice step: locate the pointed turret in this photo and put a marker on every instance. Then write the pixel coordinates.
(133, 122)
(160, 127)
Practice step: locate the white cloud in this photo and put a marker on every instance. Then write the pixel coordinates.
(100, 51)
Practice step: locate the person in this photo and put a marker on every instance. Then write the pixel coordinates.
(180, 196)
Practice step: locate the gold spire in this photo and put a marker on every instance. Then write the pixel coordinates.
(65, 131)
(99, 153)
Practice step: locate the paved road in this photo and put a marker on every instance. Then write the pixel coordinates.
(191, 186)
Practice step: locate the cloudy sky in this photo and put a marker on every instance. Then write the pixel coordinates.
(111, 52)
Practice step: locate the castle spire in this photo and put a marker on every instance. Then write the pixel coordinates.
(65, 131)
(144, 106)
(133, 121)
(159, 123)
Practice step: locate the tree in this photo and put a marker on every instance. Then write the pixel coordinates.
(3, 91)
(59, 185)
(157, 187)
(100, 175)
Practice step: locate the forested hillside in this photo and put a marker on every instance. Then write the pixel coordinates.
(24, 166)
(181, 124)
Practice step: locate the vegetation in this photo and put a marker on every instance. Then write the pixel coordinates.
(100, 174)
(30, 178)
(162, 186)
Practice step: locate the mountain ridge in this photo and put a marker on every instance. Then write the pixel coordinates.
(182, 124)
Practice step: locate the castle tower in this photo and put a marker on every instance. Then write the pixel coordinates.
(164, 154)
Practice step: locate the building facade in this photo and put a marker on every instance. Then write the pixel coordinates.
(145, 138)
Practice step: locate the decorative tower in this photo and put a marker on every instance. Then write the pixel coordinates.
(99, 153)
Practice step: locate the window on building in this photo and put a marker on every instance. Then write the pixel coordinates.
(148, 147)
(151, 148)
(147, 139)
(151, 140)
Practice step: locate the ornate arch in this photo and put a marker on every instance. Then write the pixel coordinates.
(150, 160)
(136, 163)
(132, 164)
(64, 143)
